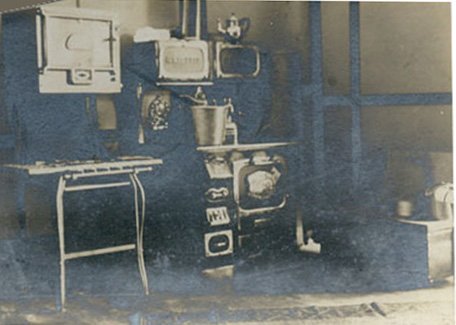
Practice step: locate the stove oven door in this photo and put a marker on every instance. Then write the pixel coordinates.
(259, 185)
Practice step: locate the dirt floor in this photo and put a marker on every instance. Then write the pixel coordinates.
(278, 288)
(424, 306)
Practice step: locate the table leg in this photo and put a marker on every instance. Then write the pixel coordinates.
(140, 228)
(60, 221)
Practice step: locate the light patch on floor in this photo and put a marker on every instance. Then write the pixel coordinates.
(425, 306)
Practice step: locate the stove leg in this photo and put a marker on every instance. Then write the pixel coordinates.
(310, 246)
(140, 228)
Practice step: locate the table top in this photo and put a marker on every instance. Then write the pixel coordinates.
(76, 166)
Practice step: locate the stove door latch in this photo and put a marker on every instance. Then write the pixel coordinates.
(217, 194)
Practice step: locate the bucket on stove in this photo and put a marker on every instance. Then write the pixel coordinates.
(210, 124)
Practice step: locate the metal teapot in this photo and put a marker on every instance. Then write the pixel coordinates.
(235, 28)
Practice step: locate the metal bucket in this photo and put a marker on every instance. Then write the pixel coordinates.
(210, 123)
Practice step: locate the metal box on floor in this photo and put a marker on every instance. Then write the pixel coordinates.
(439, 236)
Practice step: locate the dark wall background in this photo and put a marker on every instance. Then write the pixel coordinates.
(49, 126)
(374, 103)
